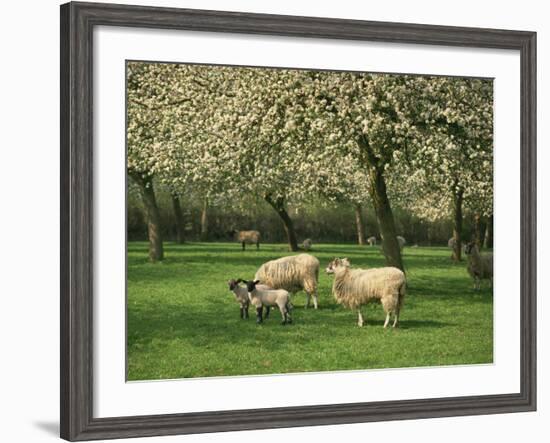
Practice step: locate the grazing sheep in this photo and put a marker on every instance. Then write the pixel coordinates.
(268, 297)
(401, 241)
(241, 296)
(354, 288)
(293, 273)
(247, 238)
(371, 241)
(306, 244)
(480, 267)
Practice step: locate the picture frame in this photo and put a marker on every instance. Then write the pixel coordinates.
(76, 206)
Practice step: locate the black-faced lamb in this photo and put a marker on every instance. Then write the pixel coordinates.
(247, 238)
(371, 241)
(241, 296)
(293, 273)
(354, 288)
(480, 267)
(268, 297)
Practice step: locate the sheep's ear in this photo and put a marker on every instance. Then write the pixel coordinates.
(345, 261)
(239, 280)
(256, 282)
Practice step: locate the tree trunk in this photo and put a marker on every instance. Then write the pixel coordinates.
(488, 240)
(204, 221)
(180, 235)
(384, 215)
(381, 203)
(360, 225)
(156, 249)
(457, 223)
(477, 231)
(279, 206)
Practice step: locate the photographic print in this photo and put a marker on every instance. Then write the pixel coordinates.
(288, 221)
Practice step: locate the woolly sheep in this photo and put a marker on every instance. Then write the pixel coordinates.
(371, 241)
(306, 244)
(241, 296)
(247, 238)
(293, 273)
(401, 241)
(480, 267)
(268, 297)
(354, 288)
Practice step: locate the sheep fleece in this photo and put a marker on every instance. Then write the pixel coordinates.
(357, 287)
(292, 273)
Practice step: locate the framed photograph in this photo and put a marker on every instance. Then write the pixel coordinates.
(275, 221)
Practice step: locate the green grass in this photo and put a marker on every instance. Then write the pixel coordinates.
(184, 322)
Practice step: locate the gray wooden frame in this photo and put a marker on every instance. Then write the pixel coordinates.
(77, 24)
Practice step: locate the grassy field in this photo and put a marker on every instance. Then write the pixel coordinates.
(184, 322)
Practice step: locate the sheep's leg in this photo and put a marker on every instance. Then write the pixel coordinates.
(242, 312)
(246, 311)
(388, 313)
(257, 246)
(360, 320)
(259, 318)
(287, 312)
(283, 314)
(315, 300)
(267, 311)
(308, 298)
(244, 246)
(395, 318)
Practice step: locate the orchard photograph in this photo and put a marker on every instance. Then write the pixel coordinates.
(288, 220)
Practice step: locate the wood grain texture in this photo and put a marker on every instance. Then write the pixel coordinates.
(76, 304)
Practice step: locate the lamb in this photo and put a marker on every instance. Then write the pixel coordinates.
(306, 244)
(247, 238)
(241, 296)
(371, 241)
(480, 267)
(354, 288)
(268, 297)
(293, 273)
(401, 241)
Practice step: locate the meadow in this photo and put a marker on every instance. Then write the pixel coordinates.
(184, 322)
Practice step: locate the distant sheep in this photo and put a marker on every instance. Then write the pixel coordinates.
(371, 241)
(241, 296)
(354, 288)
(269, 297)
(293, 273)
(307, 244)
(401, 241)
(480, 267)
(451, 243)
(247, 238)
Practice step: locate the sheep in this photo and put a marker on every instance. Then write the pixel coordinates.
(480, 267)
(371, 241)
(401, 241)
(451, 243)
(247, 238)
(292, 273)
(241, 296)
(354, 288)
(268, 297)
(306, 244)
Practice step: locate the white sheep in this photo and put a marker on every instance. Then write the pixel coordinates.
(480, 267)
(268, 297)
(241, 296)
(451, 243)
(401, 241)
(371, 241)
(354, 288)
(247, 238)
(293, 273)
(306, 244)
